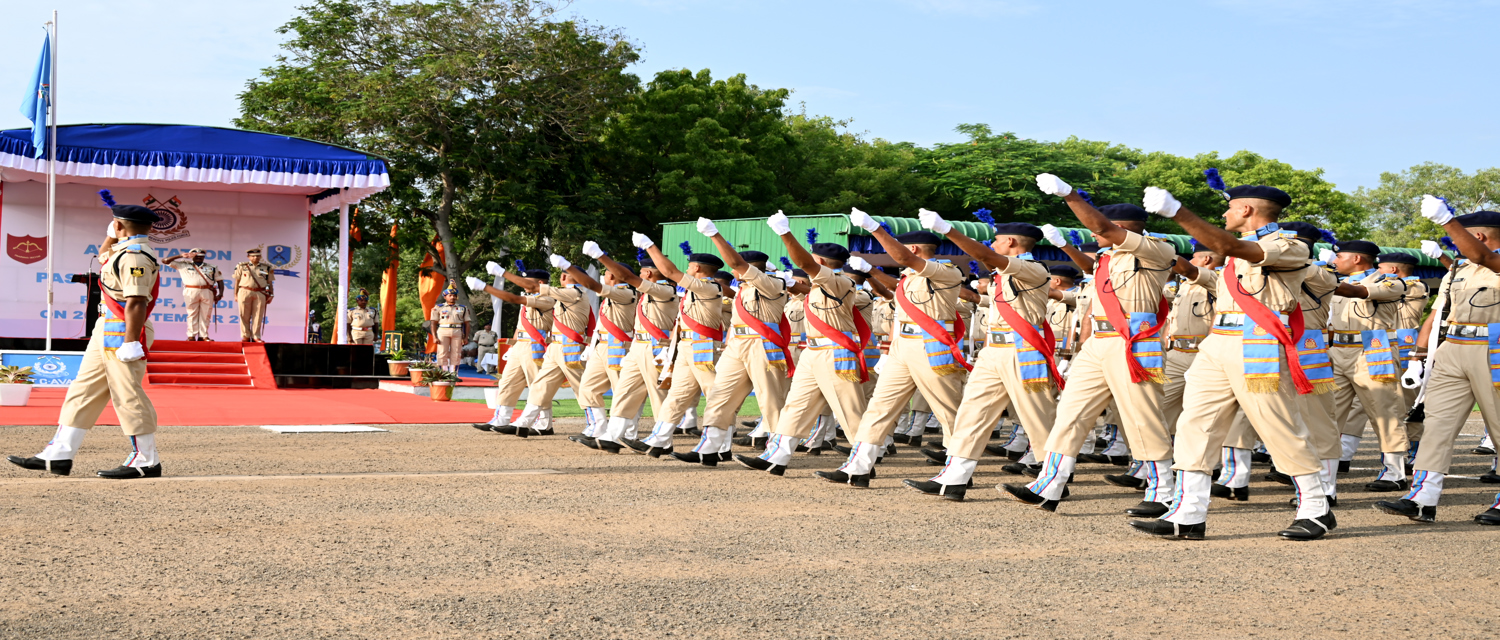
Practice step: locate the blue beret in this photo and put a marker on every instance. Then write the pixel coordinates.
(1264, 193)
(1358, 246)
(1479, 219)
(1089, 247)
(723, 275)
(134, 213)
(538, 274)
(755, 256)
(1304, 230)
(1018, 229)
(708, 259)
(646, 263)
(798, 273)
(1066, 271)
(920, 237)
(1124, 212)
(831, 251)
(1397, 257)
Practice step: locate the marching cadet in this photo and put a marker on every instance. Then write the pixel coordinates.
(563, 359)
(201, 290)
(610, 343)
(1127, 318)
(1363, 351)
(254, 286)
(1239, 363)
(833, 369)
(757, 352)
(362, 320)
(640, 370)
(925, 354)
(1060, 307)
(1017, 369)
(524, 358)
(690, 357)
(1188, 324)
(114, 363)
(1408, 325)
(1464, 370)
(449, 325)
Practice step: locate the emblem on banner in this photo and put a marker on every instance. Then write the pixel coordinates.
(280, 255)
(50, 367)
(173, 221)
(25, 249)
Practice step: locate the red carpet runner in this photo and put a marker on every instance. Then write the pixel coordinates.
(198, 364)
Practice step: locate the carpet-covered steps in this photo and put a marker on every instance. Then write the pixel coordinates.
(198, 364)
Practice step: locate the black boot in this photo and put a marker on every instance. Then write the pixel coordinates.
(996, 450)
(954, 492)
(1411, 510)
(691, 457)
(1490, 518)
(1020, 492)
(858, 482)
(54, 467)
(482, 426)
(934, 457)
(129, 473)
(758, 464)
(1387, 486)
(1237, 494)
(1303, 530)
(1014, 468)
(1148, 510)
(1126, 480)
(1277, 476)
(584, 440)
(1490, 478)
(1343, 466)
(1164, 529)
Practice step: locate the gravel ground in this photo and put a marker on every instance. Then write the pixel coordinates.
(441, 531)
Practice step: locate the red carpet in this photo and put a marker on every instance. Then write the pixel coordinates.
(242, 406)
(211, 364)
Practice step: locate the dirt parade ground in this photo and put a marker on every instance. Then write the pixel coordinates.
(442, 531)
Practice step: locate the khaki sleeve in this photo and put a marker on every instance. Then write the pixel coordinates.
(1282, 252)
(1386, 290)
(539, 302)
(1069, 298)
(436, 313)
(617, 295)
(137, 275)
(657, 290)
(1150, 252)
(1207, 278)
(565, 295)
(1028, 272)
(709, 287)
(768, 285)
(941, 273)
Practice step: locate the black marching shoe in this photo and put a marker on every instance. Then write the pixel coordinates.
(693, 457)
(1318, 527)
(1260, 456)
(1235, 494)
(606, 446)
(1164, 529)
(482, 426)
(1387, 486)
(543, 432)
(747, 441)
(641, 447)
(935, 457)
(1015, 468)
(900, 438)
(521, 433)
(726, 456)
(1099, 458)
(583, 440)
(1490, 518)
(1277, 476)
(1343, 466)
(1483, 451)
(504, 429)
(915, 441)
(751, 462)
(954, 492)
(1020, 492)
(54, 467)
(891, 450)
(1411, 510)
(842, 450)
(1148, 510)
(127, 473)
(1126, 480)
(690, 431)
(1490, 478)
(858, 482)
(996, 450)
(1332, 502)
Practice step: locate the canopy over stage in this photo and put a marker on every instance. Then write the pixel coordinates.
(223, 190)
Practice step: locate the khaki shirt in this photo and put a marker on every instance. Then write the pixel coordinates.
(253, 276)
(1473, 294)
(796, 315)
(618, 304)
(1138, 268)
(448, 316)
(764, 296)
(130, 270)
(1275, 281)
(834, 300)
(1193, 308)
(933, 290)
(486, 338)
(571, 308)
(1377, 311)
(204, 275)
(1316, 297)
(1409, 315)
(537, 308)
(362, 319)
(659, 302)
(703, 302)
(865, 304)
(1060, 314)
(1024, 285)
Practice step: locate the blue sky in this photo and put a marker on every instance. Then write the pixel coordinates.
(1353, 87)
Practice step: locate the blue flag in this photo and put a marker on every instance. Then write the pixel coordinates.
(39, 97)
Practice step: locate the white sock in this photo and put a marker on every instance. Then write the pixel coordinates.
(1159, 480)
(1331, 478)
(1349, 444)
(831, 434)
(143, 451)
(1311, 502)
(1236, 474)
(502, 416)
(957, 471)
(779, 449)
(1426, 488)
(1056, 468)
(64, 445)
(1395, 467)
(1190, 502)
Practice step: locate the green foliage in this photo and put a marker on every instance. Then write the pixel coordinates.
(838, 170)
(16, 375)
(1395, 205)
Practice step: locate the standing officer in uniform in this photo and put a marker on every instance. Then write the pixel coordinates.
(488, 342)
(639, 378)
(362, 320)
(450, 323)
(524, 358)
(608, 346)
(201, 290)
(1249, 360)
(1464, 370)
(114, 363)
(255, 285)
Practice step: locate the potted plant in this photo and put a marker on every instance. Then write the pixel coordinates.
(440, 383)
(416, 369)
(398, 363)
(15, 386)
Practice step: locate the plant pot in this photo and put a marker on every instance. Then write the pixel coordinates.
(399, 367)
(442, 391)
(416, 375)
(15, 395)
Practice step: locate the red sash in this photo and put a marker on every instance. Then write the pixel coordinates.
(1116, 315)
(1267, 319)
(641, 321)
(568, 331)
(933, 327)
(768, 334)
(614, 329)
(717, 335)
(119, 309)
(532, 332)
(1047, 345)
(844, 342)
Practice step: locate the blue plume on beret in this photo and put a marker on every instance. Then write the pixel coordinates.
(812, 236)
(640, 254)
(1329, 237)
(1214, 181)
(786, 263)
(985, 216)
(974, 267)
(887, 228)
(520, 266)
(687, 248)
(1193, 242)
(109, 200)
(1075, 237)
(1447, 243)
(1445, 203)
(1085, 195)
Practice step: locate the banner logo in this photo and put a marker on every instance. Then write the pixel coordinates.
(25, 249)
(173, 222)
(280, 255)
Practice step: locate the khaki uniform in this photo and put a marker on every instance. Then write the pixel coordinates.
(1409, 316)
(488, 343)
(129, 270)
(702, 300)
(198, 286)
(616, 303)
(448, 320)
(744, 364)
(819, 385)
(1187, 326)
(362, 325)
(1316, 298)
(570, 309)
(872, 311)
(1060, 316)
(252, 286)
(1381, 400)
(520, 367)
(639, 371)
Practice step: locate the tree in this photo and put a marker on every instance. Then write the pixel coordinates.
(837, 170)
(1395, 204)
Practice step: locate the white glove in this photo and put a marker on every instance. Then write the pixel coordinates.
(879, 364)
(707, 228)
(592, 250)
(1054, 235)
(1062, 367)
(559, 262)
(641, 241)
(475, 284)
(1160, 202)
(779, 224)
(859, 264)
(786, 276)
(1052, 185)
(494, 269)
(931, 220)
(863, 220)
(1413, 376)
(113, 230)
(1432, 249)
(130, 352)
(1325, 256)
(1435, 210)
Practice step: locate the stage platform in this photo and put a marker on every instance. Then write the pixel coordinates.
(201, 406)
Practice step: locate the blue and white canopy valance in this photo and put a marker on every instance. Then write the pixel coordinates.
(210, 158)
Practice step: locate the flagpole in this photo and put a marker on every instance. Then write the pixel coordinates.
(52, 243)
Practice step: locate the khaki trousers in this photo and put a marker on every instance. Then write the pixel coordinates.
(1414, 430)
(551, 376)
(103, 379)
(1322, 429)
(1175, 368)
(200, 310)
(598, 377)
(1216, 390)
(743, 367)
(1099, 375)
(252, 314)
(995, 384)
(637, 382)
(1241, 435)
(1381, 400)
(688, 382)
(360, 336)
(816, 387)
(450, 346)
(905, 370)
(1460, 380)
(518, 374)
